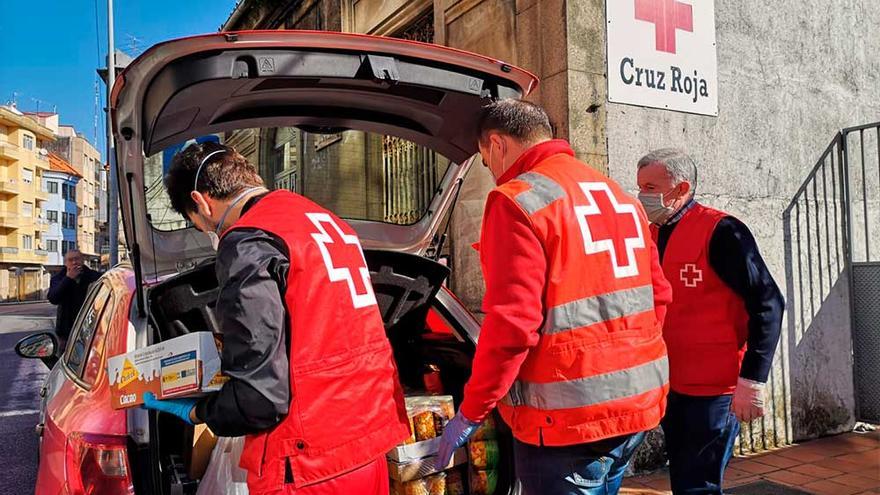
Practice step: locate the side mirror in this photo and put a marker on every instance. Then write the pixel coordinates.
(41, 346)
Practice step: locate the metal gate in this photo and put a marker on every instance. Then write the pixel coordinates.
(832, 236)
(866, 339)
(861, 147)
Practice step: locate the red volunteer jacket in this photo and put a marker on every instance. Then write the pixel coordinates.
(707, 324)
(564, 320)
(347, 405)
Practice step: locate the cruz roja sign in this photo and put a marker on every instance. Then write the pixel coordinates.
(661, 54)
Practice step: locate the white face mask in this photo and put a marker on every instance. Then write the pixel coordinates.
(215, 239)
(215, 235)
(658, 213)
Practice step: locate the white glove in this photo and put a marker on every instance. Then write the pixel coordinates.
(748, 400)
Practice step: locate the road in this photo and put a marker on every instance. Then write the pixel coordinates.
(19, 396)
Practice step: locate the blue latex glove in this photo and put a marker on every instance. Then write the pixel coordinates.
(178, 407)
(455, 434)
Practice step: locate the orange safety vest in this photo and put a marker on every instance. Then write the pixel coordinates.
(599, 369)
(707, 323)
(346, 407)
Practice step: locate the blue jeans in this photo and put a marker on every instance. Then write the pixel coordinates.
(586, 469)
(700, 432)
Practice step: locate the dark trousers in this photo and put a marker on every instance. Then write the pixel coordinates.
(700, 432)
(587, 469)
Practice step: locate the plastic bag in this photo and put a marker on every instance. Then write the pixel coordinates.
(223, 476)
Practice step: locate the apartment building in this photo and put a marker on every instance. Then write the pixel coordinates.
(23, 160)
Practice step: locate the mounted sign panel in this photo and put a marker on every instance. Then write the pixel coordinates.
(661, 54)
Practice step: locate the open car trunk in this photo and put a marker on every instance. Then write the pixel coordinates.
(406, 288)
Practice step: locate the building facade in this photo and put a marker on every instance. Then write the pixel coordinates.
(780, 101)
(86, 160)
(60, 211)
(23, 161)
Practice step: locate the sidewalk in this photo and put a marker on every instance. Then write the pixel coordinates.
(845, 464)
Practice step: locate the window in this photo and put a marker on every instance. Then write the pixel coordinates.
(27, 242)
(68, 220)
(84, 328)
(52, 187)
(67, 246)
(357, 175)
(27, 142)
(68, 192)
(52, 215)
(27, 175)
(52, 246)
(27, 210)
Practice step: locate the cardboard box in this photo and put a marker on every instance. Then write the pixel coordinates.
(414, 451)
(180, 367)
(407, 471)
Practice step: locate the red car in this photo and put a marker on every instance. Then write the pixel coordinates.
(337, 115)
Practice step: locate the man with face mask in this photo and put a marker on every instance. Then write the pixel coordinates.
(312, 381)
(571, 348)
(723, 324)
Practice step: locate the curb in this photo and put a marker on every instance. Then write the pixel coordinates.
(18, 303)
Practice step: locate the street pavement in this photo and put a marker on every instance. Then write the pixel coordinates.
(19, 396)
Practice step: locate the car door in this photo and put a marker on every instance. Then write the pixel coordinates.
(76, 396)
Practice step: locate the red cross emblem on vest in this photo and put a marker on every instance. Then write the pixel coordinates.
(667, 16)
(617, 230)
(690, 275)
(356, 277)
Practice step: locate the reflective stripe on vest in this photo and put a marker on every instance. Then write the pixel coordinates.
(543, 192)
(598, 309)
(592, 390)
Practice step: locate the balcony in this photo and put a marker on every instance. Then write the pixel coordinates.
(9, 187)
(8, 250)
(41, 224)
(41, 195)
(41, 252)
(42, 160)
(9, 220)
(10, 151)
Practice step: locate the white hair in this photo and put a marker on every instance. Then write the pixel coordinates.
(680, 165)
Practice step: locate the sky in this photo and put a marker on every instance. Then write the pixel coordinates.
(49, 50)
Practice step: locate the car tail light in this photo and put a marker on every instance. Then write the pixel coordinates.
(97, 464)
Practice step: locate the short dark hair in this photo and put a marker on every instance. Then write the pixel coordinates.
(225, 173)
(520, 119)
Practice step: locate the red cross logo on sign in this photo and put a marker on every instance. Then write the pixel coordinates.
(358, 283)
(667, 16)
(620, 234)
(690, 275)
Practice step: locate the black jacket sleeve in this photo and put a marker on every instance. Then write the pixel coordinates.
(252, 271)
(59, 286)
(734, 255)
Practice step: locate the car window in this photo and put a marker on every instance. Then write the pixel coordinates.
(84, 328)
(95, 360)
(358, 175)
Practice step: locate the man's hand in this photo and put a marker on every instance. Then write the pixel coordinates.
(748, 400)
(182, 408)
(74, 272)
(455, 434)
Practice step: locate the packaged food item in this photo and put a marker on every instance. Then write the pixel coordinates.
(412, 432)
(180, 367)
(486, 431)
(424, 426)
(428, 415)
(429, 485)
(454, 482)
(484, 482)
(483, 454)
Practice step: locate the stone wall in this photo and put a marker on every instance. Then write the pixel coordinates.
(791, 74)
